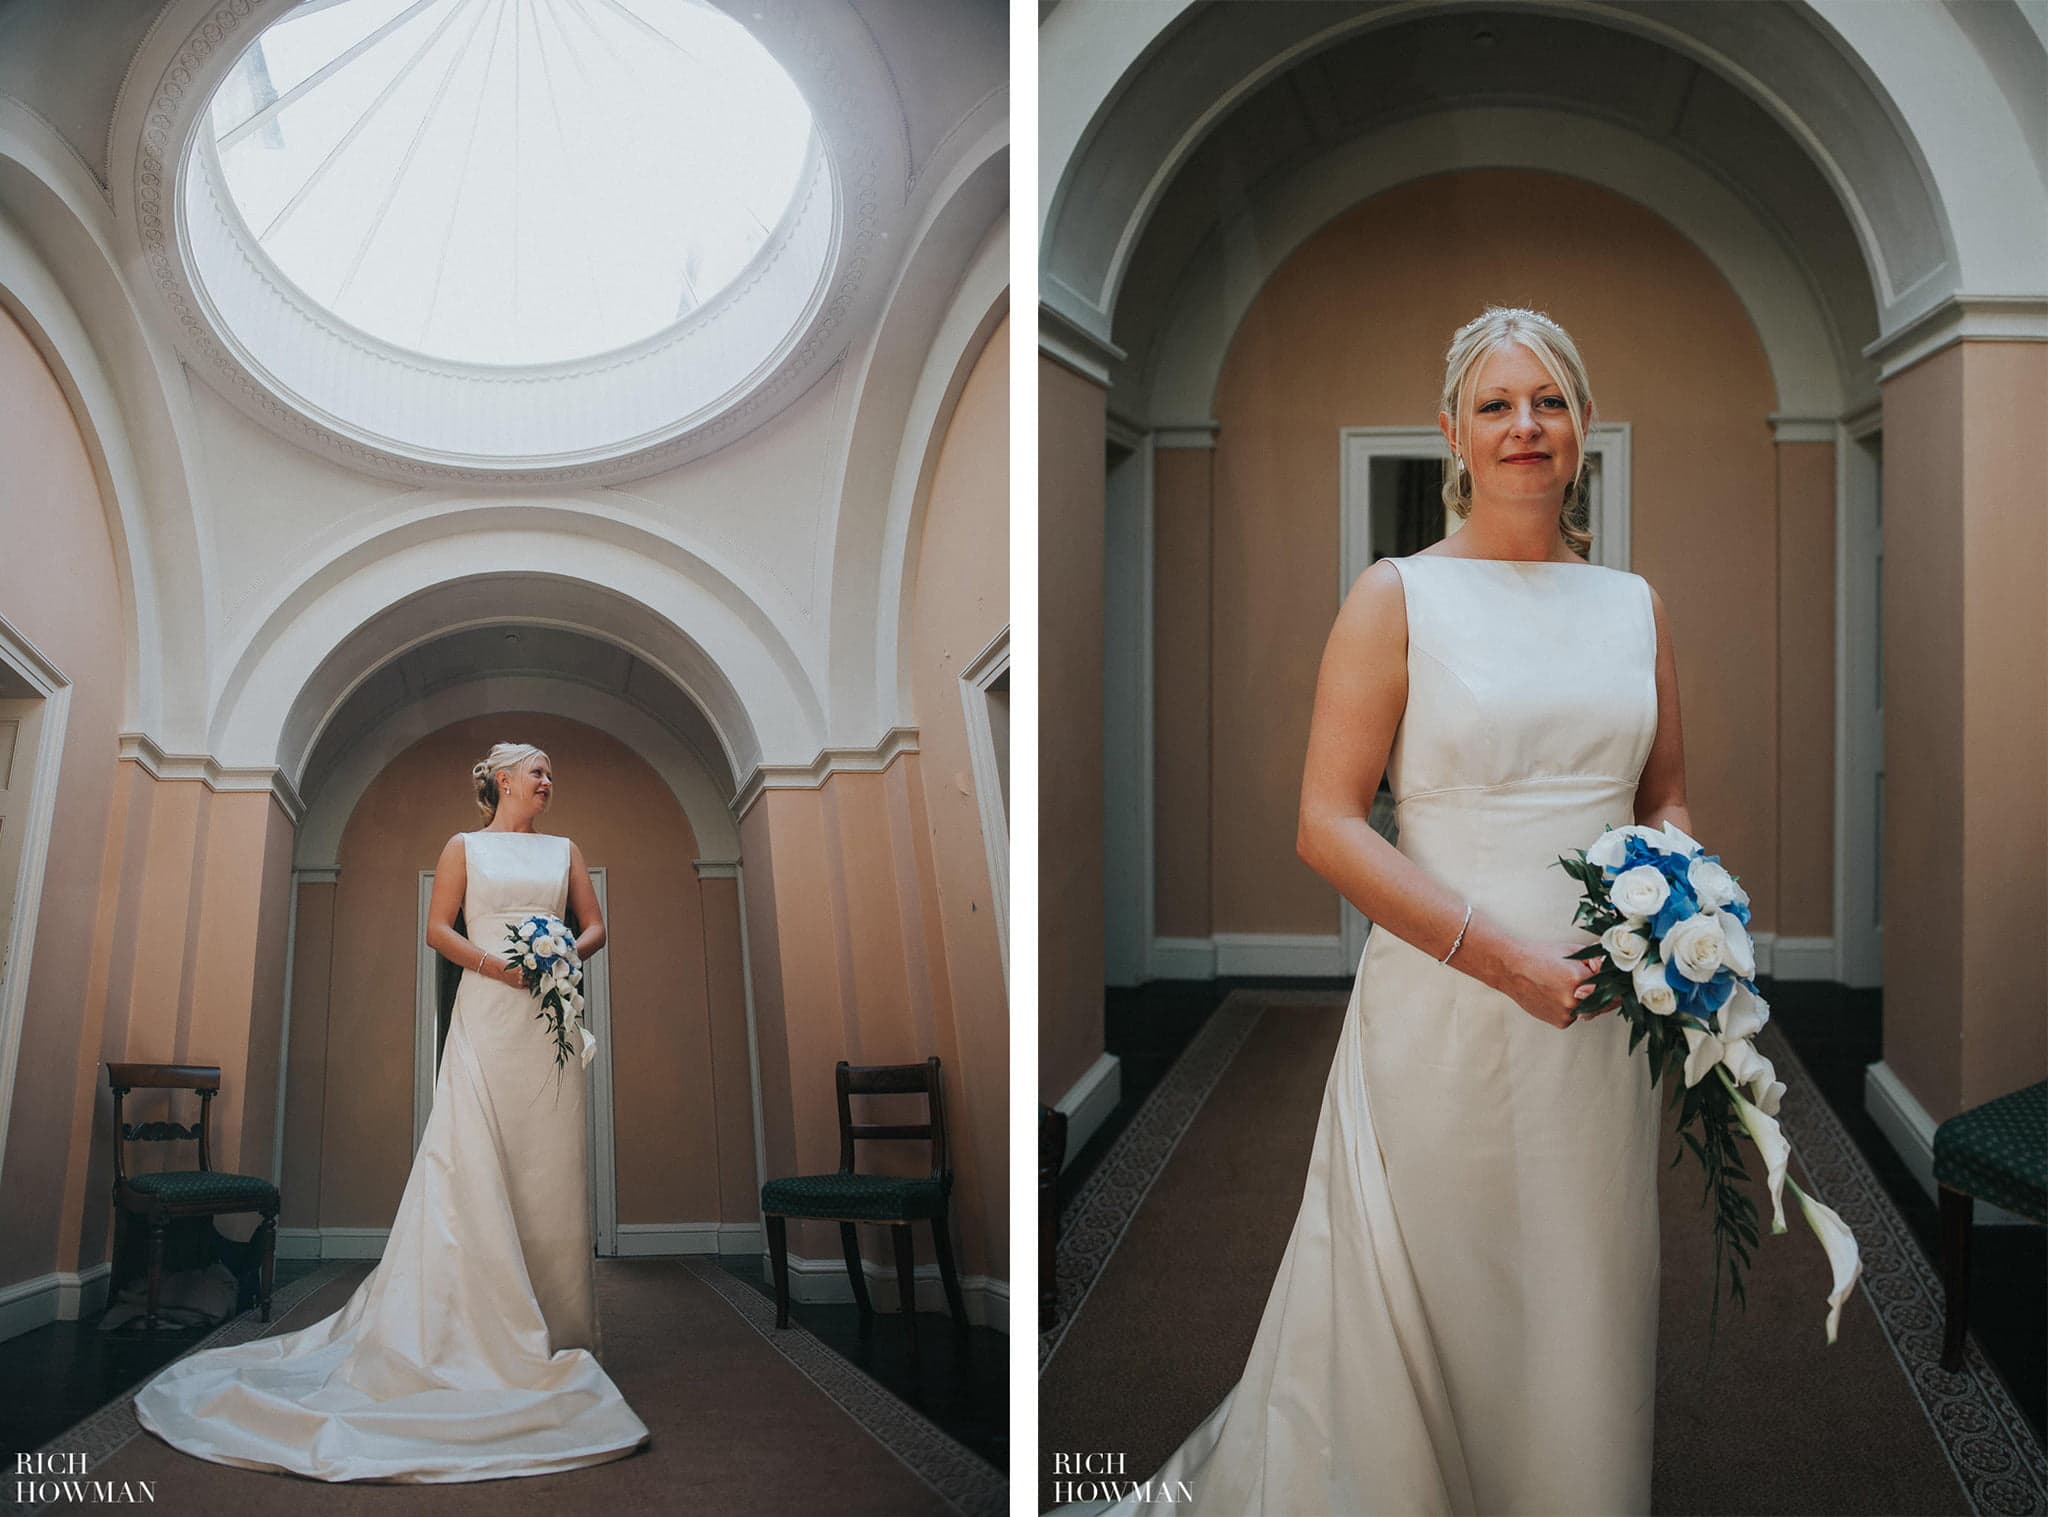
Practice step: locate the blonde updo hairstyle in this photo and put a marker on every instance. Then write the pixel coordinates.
(501, 757)
(1551, 346)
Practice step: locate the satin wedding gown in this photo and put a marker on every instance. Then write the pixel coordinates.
(1465, 1318)
(465, 1354)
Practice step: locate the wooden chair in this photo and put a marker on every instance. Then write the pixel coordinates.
(849, 1197)
(1997, 1152)
(203, 1192)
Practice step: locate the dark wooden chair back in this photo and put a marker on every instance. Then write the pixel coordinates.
(202, 1079)
(892, 1080)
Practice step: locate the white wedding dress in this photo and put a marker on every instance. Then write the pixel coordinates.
(466, 1353)
(1465, 1318)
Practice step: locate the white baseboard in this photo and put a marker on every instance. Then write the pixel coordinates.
(1795, 958)
(60, 1296)
(825, 1281)
(1182, 959)
(1088, 1104)
(1281, 955)
(1909, 1129)
(636, 1240)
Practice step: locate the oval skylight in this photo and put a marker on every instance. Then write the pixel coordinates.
(510, 182)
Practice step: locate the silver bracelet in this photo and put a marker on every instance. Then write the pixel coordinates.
(1461, 934)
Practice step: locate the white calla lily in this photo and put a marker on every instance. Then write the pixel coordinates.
(1705, 1052)
(1766, 1092)
(1844, 1257)
(1743, 1015)
(1743, 1061)
(1770, 1142)
(1676, 841)
(589, 1050)
(1741, 951)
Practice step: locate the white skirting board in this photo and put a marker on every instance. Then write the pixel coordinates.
(1088, 1103)
(1909, 1128)
(1320, 956)
(60, 1296)
(825, 1280)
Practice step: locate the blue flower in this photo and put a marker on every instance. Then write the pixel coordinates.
(1678, 905)
(1701, 1000)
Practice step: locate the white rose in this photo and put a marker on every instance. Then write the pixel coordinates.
(1654, 991)
(527, 930)
(1607, 853)
(1741, 949)
(1713, 885)
(1697, 947)
(1625, 945)
(1639, 892)
(530, 961)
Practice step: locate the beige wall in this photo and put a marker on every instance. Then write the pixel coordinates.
(1182, 523)
(1966, 724)
(678, 1014)
(1071, 461)
(59, 589)
(1351, 332)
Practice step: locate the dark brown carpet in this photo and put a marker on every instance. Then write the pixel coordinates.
(736, 1428)
(1780, 1423)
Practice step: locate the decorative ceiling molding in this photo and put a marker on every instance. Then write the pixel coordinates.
(141, 749)
(855, 203)
(893, 744)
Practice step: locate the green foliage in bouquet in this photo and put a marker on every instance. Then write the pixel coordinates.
(1708, 1105)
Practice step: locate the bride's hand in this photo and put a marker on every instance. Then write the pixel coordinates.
(1545, 981)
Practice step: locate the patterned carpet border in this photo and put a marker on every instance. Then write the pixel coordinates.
(1093, 1223)
(1997, 1461)
(1996, 1458)
(962, 1478)
(103, 1434)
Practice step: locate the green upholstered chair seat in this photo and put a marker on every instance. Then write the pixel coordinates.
(879, 1198)
(1998, 1152)
(180, 1187)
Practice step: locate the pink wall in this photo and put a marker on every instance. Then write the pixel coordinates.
(962, 602)
(1351, 332)
(678, 1012)
(59, 589)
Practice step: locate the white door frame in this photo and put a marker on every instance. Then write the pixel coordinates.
(44, 748)
(597, 1002)
(1607, 442)
(1128, 908)
(980, 675)
(1859, 699)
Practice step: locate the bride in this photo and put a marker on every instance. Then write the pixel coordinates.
(1465, 1317)
(466, 1354)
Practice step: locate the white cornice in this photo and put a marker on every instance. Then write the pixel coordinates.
(1802, 428)
(139, 748)
(1071, 345)
(716, 869)
(325, 875)
(1960, 318)
(830, 761)
(1187, 434)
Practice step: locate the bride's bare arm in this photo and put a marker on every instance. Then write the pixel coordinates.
(583, 908)
(451, 883)
(1660, 789)
(1361, 692)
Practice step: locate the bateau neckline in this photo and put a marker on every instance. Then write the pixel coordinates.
(507, 832)
(1520, 563)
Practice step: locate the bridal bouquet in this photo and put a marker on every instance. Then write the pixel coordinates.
(545, 951)
(1674, 928)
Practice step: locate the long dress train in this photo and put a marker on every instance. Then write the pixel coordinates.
(465, 1354)
(1465, 1317)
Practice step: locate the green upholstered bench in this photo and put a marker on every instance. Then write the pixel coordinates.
(159, 1196)
(1995, 1153)
(849, 1197)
